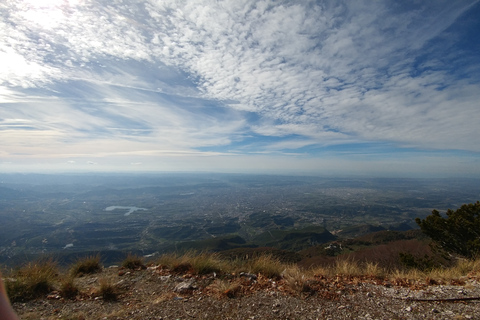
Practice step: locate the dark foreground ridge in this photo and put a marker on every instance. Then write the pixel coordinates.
(181, 292)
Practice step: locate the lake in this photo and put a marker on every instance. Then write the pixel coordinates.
(128, 209)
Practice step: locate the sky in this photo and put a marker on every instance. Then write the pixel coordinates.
(375, 88)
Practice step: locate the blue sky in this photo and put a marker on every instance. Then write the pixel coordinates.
(300, 87)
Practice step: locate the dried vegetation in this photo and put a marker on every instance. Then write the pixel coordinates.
(210, 277)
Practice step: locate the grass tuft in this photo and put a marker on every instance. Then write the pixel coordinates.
(197, 263)
(226, 289)
(372, 269)
(267, 266)
(87, 265)
(32, 280)
(133, 262)
(107, 290)
(347, 267)
(68, 288)
(296, 279)
(168, 260)
(204, 263)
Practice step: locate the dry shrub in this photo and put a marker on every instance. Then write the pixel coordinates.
(32, 280)
(107, 290)
(198, 263)
(182, 268)
(224, 288)
(456, 273)
(468, 267)
(68, 288)
(204, 263)
(133, 262)
(347, 267)
(387, 255)
(87, 265)
(321, 271)
(402, 277)
(267, 266)
(169, 260)
(296, 279)
(372, 269)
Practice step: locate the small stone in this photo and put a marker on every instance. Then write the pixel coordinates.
(184, 287)
(251, 276)
(369, 294)
(435, 310)
(408, 309)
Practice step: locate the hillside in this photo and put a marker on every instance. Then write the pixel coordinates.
(177, 287)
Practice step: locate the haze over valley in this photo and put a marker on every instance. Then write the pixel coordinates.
(70, 215)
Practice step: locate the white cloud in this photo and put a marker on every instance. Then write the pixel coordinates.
(151, 77)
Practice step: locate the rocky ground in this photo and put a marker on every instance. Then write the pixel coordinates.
(155, 293)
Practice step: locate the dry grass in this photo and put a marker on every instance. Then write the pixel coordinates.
(204, 263)
(296, 279)
(371, 269)
(409, 277)
(224, 288)
(347, 267)
(168, 260)
(320, 271)
(107, 290)
(133, 262)
(68, 288)
(75, 316)
(442, 275)
(267, 266)
(39, 278)
(455, 273)
(271, 267)
(197, 263)
(87, 265)
(32, 280)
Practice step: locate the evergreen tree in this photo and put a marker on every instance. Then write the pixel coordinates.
(458, 233)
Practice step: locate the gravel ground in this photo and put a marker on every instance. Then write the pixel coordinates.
(156, 294)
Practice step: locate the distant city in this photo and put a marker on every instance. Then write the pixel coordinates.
(70, 215)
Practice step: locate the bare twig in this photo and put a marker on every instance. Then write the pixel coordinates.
(441, 300)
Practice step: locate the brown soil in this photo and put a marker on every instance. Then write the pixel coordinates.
(151, 294)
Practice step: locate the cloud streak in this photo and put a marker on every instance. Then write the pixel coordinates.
(99, 78)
